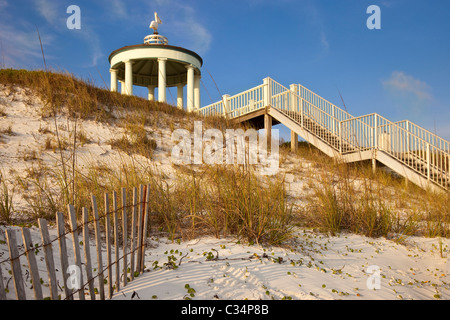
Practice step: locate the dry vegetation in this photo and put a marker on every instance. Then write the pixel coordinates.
(218, 200)
(345, 197)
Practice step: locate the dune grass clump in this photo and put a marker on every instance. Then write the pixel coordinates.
(235, 201)
(353, 198)
(337, 205)
(78, 98)
(6, 201)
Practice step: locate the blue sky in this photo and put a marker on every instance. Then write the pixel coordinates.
(401, 71)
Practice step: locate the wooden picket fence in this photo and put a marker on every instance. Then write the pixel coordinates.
(132, 246)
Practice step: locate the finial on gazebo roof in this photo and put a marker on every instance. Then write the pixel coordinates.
(155, 38)
(155, 23)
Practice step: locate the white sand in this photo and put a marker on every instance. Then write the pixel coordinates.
(314, 267)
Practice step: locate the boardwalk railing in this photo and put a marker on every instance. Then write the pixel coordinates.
(425, 153)
(70, 269)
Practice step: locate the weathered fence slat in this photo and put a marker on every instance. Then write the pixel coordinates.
(116, 240)
(144, 228)
(98, 237)
(63, 253)
(125, 235)
(76, 247)
(31, 257)
(15, 264)
(133, 233)
(49, 258)
(140, 224)
(2, 286)
(108, 246)
(87, 253)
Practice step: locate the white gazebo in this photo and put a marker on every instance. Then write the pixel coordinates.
(156, 64)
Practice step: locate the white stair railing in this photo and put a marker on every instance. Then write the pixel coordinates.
(246, 102)
(237, 105)
(426, 135)
(323, 104)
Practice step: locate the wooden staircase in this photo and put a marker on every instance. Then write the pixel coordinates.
(411, 160)
(324, 134)
(413, 152)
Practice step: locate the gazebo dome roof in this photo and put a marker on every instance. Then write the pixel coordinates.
(156, 46)
(145, 63)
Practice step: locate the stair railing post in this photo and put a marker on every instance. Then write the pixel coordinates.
(407, 137)
(293, 100)
(267, 91)
(334, 119)
(340, 137)
(301, 111)
(375, 129)
(428, 162)
(226, 104)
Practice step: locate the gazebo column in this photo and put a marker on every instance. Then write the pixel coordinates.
(129, 77)
(162, 79)
(122, 86)
(197, 91)
(151, 93)
(190, 88)
(180, 96)
(113, 73)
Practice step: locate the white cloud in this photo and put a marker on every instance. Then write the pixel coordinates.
(318, 24)
(199, 37)
(48, 10)
(93, 42)
(412, 97)
(21, 47)
(324, 41)
(403, 84)
(118, 9)
(3, 4)
(387, 4)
